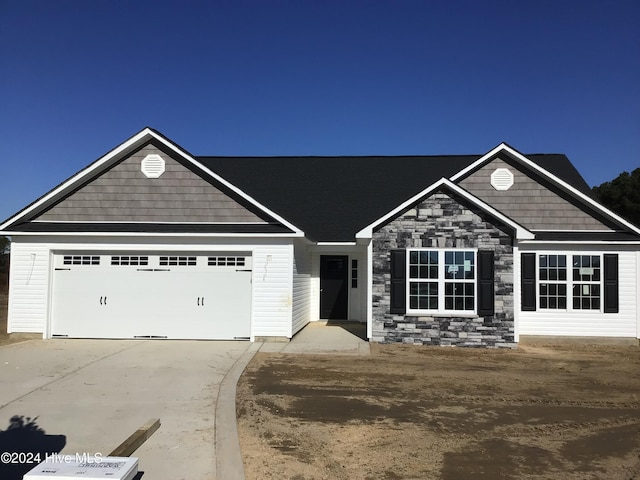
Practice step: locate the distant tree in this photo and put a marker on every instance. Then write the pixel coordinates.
(5, 244)
(622, 195)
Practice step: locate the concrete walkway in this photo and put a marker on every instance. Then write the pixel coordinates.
(343, 338)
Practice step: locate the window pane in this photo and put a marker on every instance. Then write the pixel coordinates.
(586, 296)
(553, 295)
(586, 268)
(459, 296)
(460, 264)
(423, 295)
(423, 264)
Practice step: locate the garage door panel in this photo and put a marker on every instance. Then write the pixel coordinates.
(177, 301)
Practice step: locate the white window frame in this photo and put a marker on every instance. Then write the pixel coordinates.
(570, 282)
(441, 281)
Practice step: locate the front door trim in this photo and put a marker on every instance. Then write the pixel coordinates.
(334, 291)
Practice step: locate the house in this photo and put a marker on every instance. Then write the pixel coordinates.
(150, 241)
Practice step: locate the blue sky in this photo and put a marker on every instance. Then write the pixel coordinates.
(316, 78)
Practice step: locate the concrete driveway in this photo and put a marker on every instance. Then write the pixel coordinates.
(90, 395)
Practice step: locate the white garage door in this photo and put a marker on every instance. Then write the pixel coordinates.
(154, 295)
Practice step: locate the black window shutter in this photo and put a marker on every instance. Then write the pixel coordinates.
(398, 281)
(611, 283)
(486, 288)
(528, 277)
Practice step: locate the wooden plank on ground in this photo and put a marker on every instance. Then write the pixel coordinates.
(131, 444)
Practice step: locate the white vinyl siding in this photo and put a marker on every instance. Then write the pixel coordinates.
(271, 278)
(589, 323)
(301, 309)
(271, 306)
(28, 288)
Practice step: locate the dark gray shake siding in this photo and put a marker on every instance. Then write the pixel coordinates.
(125, 194)
(441, 221)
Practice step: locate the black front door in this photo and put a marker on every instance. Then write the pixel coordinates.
(334, 273)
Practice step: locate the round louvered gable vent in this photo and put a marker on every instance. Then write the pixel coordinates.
(152, 166)
(502, 179)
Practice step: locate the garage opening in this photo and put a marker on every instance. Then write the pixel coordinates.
(152, 295)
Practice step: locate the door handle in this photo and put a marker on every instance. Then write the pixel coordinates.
(203, 301)
(100, 300)
(105, 299)
(198, 301)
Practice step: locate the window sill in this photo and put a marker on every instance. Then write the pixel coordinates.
(443, 314)
(566, 310)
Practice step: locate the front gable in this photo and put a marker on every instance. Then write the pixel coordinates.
(148, 185)
(123, 193)
(532, 200)
(547, 194)
(445, 186)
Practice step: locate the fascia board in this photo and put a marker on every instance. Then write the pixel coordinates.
(154, 234)
(138, 138)
(336, 244)
(478, 162)
(521, 232)
(575, 192)
(580, 242)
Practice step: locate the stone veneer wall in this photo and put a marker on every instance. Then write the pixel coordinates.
(440, 221)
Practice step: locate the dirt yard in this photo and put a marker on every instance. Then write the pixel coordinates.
(406, 412)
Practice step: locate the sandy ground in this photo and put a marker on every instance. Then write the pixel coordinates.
(407, 412)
